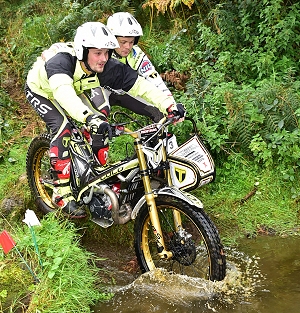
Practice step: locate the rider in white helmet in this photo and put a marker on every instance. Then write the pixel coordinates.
(128, 31)
(62, 84)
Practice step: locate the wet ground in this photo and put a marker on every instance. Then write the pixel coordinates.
(118, 264)
(263, 276)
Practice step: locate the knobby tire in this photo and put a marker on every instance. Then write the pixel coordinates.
(38, 171)
(200, 256)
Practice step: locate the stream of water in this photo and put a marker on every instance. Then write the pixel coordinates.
(263, 276)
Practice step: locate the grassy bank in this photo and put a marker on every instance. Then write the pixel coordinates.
(61, 277)
(246, 201)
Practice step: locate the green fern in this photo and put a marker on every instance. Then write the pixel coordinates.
(278, 104)
(242, 131)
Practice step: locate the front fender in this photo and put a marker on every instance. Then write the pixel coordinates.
(169, 191)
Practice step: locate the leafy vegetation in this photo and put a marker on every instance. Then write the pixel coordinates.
(241, 60)
(67, 274)
(246, 200)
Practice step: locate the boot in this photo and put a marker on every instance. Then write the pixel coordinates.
(62, 197)
(100, 147)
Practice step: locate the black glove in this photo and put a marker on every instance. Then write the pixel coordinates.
(179, 111)
(98, 125)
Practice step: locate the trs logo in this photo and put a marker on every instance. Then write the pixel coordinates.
(41, 108)
(180, 174)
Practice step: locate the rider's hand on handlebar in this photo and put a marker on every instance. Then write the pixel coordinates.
(98, 125)
(177, 110)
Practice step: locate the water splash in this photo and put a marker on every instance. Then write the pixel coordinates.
(243, 281)
(160, 291)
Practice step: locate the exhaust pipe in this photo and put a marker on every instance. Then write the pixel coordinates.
(117, 216)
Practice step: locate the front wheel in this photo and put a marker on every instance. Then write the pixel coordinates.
(195, 245)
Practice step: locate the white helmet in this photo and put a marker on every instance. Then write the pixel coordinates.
(123, 24)
(93, 35)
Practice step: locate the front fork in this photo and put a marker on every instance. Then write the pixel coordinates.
(176, 214)
(150, 199)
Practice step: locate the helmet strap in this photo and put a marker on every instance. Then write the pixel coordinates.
(117, 55)
(84, 59)
(85, 54)
(88, 67)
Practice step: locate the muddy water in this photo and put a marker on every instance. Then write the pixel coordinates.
(263, 276)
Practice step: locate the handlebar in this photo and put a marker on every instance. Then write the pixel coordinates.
(151, 129)
(118, 128)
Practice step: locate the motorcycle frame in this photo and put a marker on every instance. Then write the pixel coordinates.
(97, 183)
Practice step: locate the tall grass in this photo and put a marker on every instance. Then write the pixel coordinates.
(246, 201)
(68, 277)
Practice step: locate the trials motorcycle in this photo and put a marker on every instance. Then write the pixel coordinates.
(151, 186)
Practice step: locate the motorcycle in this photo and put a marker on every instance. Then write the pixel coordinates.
(150, 186)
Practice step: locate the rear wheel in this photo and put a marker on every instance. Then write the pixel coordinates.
(38, 172)
(196, 247)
